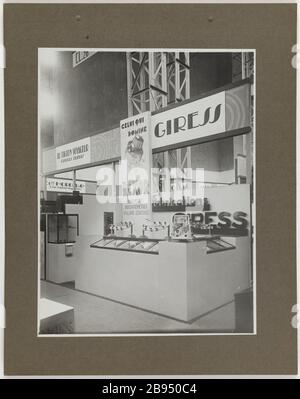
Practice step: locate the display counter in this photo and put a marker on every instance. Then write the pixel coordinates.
(132, 244)
(151, 246)
(179, 279)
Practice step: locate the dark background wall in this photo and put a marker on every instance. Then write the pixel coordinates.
(209, 71)
(93, 96)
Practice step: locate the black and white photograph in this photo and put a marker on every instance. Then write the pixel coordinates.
(146, 179)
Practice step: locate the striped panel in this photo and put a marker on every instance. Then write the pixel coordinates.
(105, 146)
(237, 107)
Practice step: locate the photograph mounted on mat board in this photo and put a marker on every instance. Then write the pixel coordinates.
(164, 239)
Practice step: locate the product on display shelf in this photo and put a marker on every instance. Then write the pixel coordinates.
(156, 227)
(181, 228)
(114, 228)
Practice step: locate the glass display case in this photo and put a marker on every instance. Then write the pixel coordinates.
(62, 228)
(217, 244)
(143, 245)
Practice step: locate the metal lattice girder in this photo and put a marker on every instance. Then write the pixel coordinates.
(242, 65)
(178, 70)
(158, 80)
(146, 81)
(155, 79)
(248, 64)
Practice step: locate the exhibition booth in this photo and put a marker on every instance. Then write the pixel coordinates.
(155, 213)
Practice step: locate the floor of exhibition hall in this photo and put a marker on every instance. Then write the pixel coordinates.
(94, 315)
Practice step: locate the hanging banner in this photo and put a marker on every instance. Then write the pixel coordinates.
(196, 119)
(135, 168)
(73, 154)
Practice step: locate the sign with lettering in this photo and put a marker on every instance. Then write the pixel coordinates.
(64, 185)
(228, 212)
(221, 223)
(136, 163)
(81, 56)
(199, 118)
(73, 154)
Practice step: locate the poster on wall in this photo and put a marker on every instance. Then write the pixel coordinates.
(135, 167)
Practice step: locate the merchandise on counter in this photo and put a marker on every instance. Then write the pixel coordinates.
(156, 227)
(114, 228)
(181, 229)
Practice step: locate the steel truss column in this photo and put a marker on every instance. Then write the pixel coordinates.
(156, 79)
(178, 69)
(146, 81)
(242, 68)
(74, 180)
(242, 65)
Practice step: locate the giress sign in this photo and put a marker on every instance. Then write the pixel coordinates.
(223, 223)
(223, 219)
(194, 120)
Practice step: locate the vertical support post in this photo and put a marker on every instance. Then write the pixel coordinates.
(189, 157)
(155, 77)
(178, 158)
(129, 84)
(243, 144)
(74, 180)
(164, 83)
(187, 76)
(179, 182)
(177, 78)
(243, 61)
(143, 105)
(167, 182)
(43, 187)
(151, 56)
